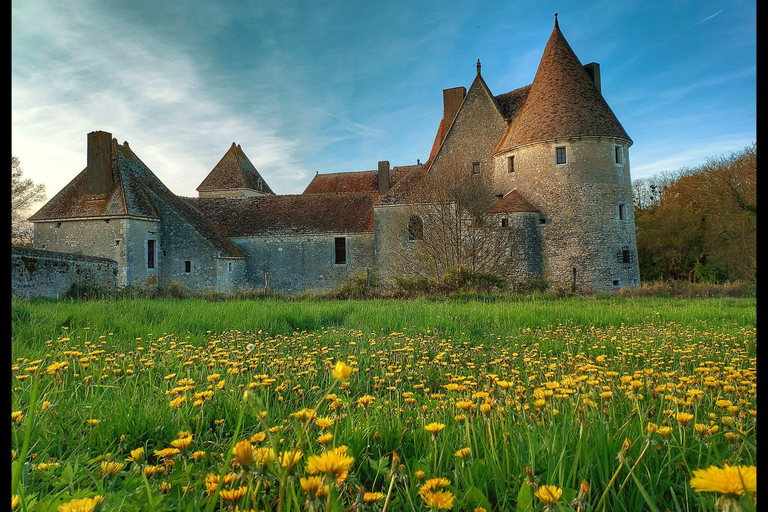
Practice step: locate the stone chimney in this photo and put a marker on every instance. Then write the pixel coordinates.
(384, 179)
(99, 170)
(593, 68)
(452, 100)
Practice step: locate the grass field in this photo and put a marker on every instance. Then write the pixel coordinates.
(503, 404)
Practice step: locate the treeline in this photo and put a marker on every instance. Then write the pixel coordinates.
(699, 224)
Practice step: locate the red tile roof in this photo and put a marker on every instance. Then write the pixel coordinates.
(366, 182)
(512, 202)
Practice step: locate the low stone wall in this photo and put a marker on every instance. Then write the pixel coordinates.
(37, 273)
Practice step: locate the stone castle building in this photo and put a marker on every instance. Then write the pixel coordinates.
(550, 159)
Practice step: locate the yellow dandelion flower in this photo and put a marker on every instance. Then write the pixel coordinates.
(198, 455)
(313, 486)
(549, 494)
(17, 416)
(137, 455)
(325, 438)
(419, 475)
(182, 443)
(664, 431)
(324, 422)
(441, 500)
(463, 452)
(167, 452)
(684, 418)
(341, 371)
(434, 427)
(164, 487)
(81, 505)
(289, 459)
(93, 422)
(334, 462)
(45, 405)
(372, 497)
(233, 495)
(733, 480)
(243, 452)
(365, 400)
(110, 468)
(15, 500)
(434, 483)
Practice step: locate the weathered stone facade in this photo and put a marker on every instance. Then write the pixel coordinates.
(36, 273)
(550, 158)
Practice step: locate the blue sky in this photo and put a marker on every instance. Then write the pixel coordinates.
(332, 86)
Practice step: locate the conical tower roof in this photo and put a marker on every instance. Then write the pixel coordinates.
(234, 171)
(562, 101)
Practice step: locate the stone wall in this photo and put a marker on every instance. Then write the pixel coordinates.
(37, 273)
(304, 263)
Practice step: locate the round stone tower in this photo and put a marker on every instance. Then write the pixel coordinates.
(568, 155)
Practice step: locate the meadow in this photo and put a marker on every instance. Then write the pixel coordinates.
(497, 404)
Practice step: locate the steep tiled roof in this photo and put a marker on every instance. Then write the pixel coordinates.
(234, 171)
(512, 202)
(288, 214)
(136, 191)
(511, 102)
(409, 188)
(366, 182)
(562, 101)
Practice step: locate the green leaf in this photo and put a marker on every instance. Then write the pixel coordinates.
(524, 498)
(474, 498)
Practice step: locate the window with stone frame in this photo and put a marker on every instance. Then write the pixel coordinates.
(475, 167)
(624, 257)
(340, 250)
(415, 228)
(560, 155)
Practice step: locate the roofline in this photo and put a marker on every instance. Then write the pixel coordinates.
(94, 217)
(570, 137)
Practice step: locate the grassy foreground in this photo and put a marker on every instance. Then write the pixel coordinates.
(506, 404)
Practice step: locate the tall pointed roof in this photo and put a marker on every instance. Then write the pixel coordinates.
(234, 172)
(562, 101)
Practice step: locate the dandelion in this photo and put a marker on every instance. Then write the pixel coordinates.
(15, 499)
(243, 452)
(313, 486)
(731, 482)
(549, 494)
(332, 463)
(233, 495)
(683, 418)
(463, 452)
(324, 439)
(167, 452)
(440, 500)
(93, 422)
(372, 497)
(81, 505)
(182, 443)
(324, 422)
(198, 455)
(341, 371)
(45, 405)
(165, 487)
(17, 416)
(110, 468)
(289, 459)
(434, 427)
(137, 455)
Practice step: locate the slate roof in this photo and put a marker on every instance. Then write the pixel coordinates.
(366, 182)
(562, 101)
(288, 214)
(136, 192)
(234, 171)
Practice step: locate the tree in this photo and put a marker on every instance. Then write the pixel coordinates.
(24, 194)
(700, 223)
(448, 230)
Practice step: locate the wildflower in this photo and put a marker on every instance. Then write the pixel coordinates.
(289, 459)
(419, 474)
(17, 416)
(372, 497)
(365, 400)
(341, 371)
(167, 452)
(549, 494)
(313, 487)
(441, 500)
(333, 463)
(137, 455)
(243, 452)
(263, 456)
(434, 427)
(434, 483)
(735, 480)
(463, 452)
(45, 405)
(324, 422)
(198, 455)
(81, 505)
(93, 422)
(182, 443)
(683, 418)
(233, 494)
(110, 468)
(165, 487)
(325, 438)
(665, 431)
(15, 499)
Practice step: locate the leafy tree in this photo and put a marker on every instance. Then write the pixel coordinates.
(699, 224)
(24, 194)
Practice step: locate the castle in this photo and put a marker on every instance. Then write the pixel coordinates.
(548, 164)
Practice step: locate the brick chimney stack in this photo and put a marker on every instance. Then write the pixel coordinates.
(384, 178)
(452, 100)
(99, 170)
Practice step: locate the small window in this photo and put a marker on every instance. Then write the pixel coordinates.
(504, 222)
(415, 228)
(560, 154)
(542, 220)
(475, 167)
(621, 211)
(58, 224)
(117, 243)
(187, 266)
(624, 257)
(259, 184)
(616, 283)
(340, 250)
(150, 254)
(229, 266)
(617, 155)
(510, 164)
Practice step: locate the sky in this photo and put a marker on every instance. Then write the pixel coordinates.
(334, 86)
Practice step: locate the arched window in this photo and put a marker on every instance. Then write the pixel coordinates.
(415, 228)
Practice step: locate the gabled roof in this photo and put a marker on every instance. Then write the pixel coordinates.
(562, 101)
(234, 171)
(366, 182)
(135, 192)
(288, 214)
(512, 202)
